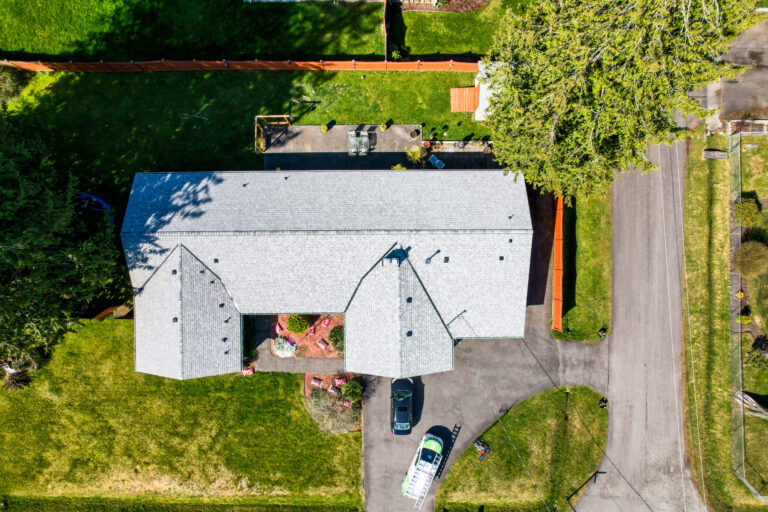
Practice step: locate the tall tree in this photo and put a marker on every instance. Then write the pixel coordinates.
(581, 86)
(55, 255)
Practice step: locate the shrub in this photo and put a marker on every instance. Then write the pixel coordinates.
(324, 128)
(440, 3)
(283, 348)
(395, 55)
(747, 212)
(416, 154)
(397, 167)
(352, 391)
(752, 259)
(383, 127)
(16, 381)
(337, 338)
(298, 323)
(744, 319)
(331, 415)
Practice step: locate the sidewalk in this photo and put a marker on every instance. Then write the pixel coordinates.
(266, 362)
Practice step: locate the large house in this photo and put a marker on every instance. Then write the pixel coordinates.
(414, 259)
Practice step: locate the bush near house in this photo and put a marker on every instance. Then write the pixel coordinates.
(752, 259)
(298, 324)
(336, 337)
(91, 434)
(352, 391)
(748, 212)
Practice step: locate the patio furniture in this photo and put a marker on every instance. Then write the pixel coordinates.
(316, 382)
(321, 343)
(334, 390)
(326, 321)
(290, 342)
(358, 143)
(311, 329)
(249, 371)
(436, 162)
(277, 327)
(346, 403)
(340, 381)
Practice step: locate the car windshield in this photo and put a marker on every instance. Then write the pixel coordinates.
(402, 408)
(428, 455)
(402, 426)
(401, 395)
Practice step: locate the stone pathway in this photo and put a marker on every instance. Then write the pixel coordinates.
(266, 362)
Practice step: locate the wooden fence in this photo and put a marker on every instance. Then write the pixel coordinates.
(557, 281)
(243, 65)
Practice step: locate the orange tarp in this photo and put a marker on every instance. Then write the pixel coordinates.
(464, 99)
(557, 282)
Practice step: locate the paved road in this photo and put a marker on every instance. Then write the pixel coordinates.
(644, 462)
(638, 367)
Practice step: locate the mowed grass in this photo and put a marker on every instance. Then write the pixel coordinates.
(449, 33)
(104, 127)
(560, 440)
(204, 29)
(588, 260)
(706, 327)
(88, 425)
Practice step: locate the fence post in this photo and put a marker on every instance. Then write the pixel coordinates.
(450, 64)
(354, 66)
(418, 64)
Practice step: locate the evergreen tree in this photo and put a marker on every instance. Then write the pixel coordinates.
(582, 86)
(55, 258)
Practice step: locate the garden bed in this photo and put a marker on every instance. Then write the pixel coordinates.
(333, 412)
(308, 344)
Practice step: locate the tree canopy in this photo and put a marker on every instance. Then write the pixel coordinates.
(55, 256)
(580, 87)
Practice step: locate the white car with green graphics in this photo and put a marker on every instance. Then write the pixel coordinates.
(423, 468)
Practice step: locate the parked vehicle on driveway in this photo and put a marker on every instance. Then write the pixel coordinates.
(423, 469)
(401, 407)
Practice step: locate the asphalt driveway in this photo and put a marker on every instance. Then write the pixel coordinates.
(638, 367)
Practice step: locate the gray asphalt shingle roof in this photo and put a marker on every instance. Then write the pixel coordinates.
(304, 243)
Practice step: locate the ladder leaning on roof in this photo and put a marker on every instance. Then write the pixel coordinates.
(428, 471)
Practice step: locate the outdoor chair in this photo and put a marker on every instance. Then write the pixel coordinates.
(321, 343)
(317, 382)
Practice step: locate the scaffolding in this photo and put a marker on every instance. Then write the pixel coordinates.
(262, 127)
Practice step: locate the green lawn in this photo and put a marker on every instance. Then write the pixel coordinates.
(560, 454)
(449, 33)
(706, 209)
(88, 425)
(104, 127)
(175, 29)
(587, 261)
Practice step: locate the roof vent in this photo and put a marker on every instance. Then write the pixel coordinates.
(175, 319)
(173, 272)
(409, 300)
(226, 352)
(215, 260)
(446, 259)
(510, 240)
(202, 271)
(224, 339)
(221, 305)
(409, 333)
(501, 258)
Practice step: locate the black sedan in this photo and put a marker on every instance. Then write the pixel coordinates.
(401, 410)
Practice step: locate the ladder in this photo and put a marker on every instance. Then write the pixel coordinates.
(427, 482)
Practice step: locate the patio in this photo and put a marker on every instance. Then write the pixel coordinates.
(306, 147)
(315, 342)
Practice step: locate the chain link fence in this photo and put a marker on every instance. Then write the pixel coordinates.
(738, 456)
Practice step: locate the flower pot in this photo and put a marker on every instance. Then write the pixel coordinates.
(427, 144)
(414, 134)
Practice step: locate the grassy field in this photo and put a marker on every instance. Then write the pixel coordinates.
(560, 440)
(89, 425)
(755, 381)
(706, 327)
(587, 262)
(104, 127)
(202, 29)
(449, 33)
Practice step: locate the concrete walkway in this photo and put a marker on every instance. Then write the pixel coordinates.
(266, 362)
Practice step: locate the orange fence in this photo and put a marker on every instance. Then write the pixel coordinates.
(244, 65)
(557, 292)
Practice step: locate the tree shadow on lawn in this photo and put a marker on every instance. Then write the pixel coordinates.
(102, 128)
(216, 29)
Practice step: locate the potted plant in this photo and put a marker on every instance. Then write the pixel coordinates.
(383, 127)
(427, 144)
(414, 134)
(324, 128)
